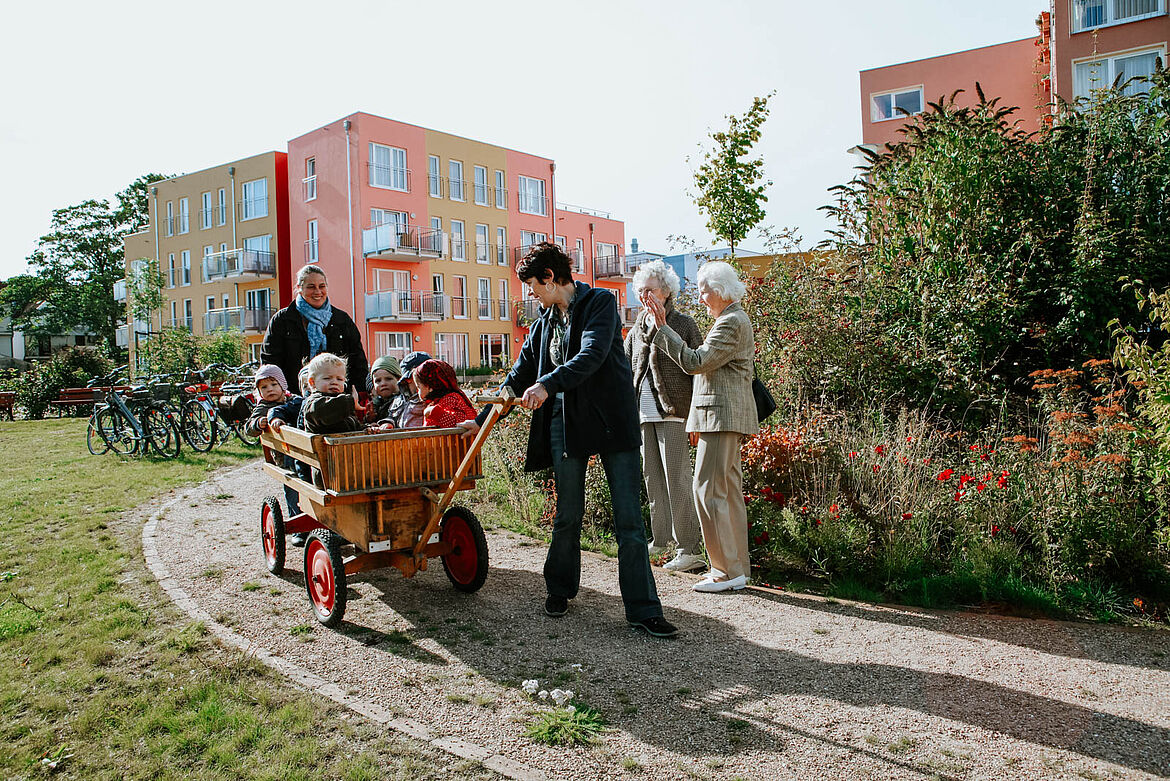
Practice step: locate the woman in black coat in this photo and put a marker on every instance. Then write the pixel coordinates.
(311, 325)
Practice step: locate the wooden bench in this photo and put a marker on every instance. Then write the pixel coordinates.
(77, 399)
(8, 403)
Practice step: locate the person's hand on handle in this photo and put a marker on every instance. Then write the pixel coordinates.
(275, 425)
(534, 397)
(655, 308)
(470, 428)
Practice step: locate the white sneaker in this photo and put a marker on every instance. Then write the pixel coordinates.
(714, 586)
(655, 551)
(684, 562)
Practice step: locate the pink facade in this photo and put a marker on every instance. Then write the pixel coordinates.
(1010, 71)
(1123, 38)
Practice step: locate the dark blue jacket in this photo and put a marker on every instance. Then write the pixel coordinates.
(601, 410)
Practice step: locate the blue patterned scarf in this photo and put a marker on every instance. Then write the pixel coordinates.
(318, 319)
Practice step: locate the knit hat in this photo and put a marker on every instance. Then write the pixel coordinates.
(389, 363)
(413, 361)
(271, 371)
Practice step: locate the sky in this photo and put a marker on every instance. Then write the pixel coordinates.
(620, 93)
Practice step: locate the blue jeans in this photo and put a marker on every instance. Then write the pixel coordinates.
(562, 567)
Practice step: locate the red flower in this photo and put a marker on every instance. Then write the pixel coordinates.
(994, 530)
(880, 449)
(983, 457)
(987, 477)
(926, 461)
(1001, 483)
(973, 447)
(959, 495)
(909, 439)
(818, 521)
(766, 490)
(904, 460)
(834, 509)
(876, 468)
(980, 487)
(853, 454)
(964, 479)
(945, 474)
(907, 516)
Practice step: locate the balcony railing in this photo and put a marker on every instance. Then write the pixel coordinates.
(484, 253)
(311, 251)
(392, 238)
(485, 308)
(390, 177)
(181, 322)
(252, 208)
(122, 336)
(533, 204)
(120, 290)
(630, 314)
(527, 311)
(183, 223)
(458, 249)
(501, 197)
(409, 305)
(568, 207)
(457, 189)
(238, 263)
(205, 216)
(578, 258)
(237, 318)
(504, 308)
(610, 266)
(518, 253)
(501, 252)
(459, 307)
(435, 185)
(309, 184)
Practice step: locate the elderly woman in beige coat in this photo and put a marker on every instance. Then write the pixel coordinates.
(723, 412)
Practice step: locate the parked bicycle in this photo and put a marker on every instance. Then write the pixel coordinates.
(214, 412)
(139, 423)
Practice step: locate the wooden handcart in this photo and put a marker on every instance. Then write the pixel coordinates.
(388, 495)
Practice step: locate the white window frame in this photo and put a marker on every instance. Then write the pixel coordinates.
(253, 302)
(253, 204)
(894, 93)
(505, 308)
(310, 180)
(501, 190)
(174, 311)
(501, 246)
(185, 265)
(452, 348)
(486, 342)
(170, 218)
(386, 343)
(222, 207)
(314, 247)
(483, 297)
(531, 202)
(455, 180)
(205, 211)
(459, 285)
(1109, 61)
(458, 241)
(184, 215)
(188, 314)
(434, 179)
(1110, 7)
(483, 253)
(207, 250)
(480, 185)
(210, 303)
(397, 172)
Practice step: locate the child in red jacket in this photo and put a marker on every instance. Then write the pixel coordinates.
(447, 405)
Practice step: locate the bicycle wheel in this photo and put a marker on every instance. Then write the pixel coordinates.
(162, 432)
(197, 426)
(94, 440)
(117, 430)
(244, 436)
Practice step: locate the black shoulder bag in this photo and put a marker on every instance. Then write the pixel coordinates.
(765, 404)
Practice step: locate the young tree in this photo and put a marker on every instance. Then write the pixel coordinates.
(730, 184)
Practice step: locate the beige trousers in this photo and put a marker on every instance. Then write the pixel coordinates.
(719, 502)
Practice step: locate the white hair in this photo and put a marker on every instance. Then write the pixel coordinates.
(657, 270)
(721, 279)
(307, 270)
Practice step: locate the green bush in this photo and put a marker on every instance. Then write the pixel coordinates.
(71, 367)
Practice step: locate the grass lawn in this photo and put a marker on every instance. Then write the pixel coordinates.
(101, 677)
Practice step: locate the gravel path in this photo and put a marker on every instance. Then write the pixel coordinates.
(760, 685)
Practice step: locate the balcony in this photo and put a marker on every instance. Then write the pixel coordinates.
(504, 308)
(237, 318)
(311, 251)
(527, 311)
(456, 189)
(518, 253)
(239, 263)
(205, 218)
(252, 208)
(120, 290)
(180, 322)
(611, 267)
(485, 253)
(122, 336)
(484, 307)
(389, 178)
(309, 185)
(501, 197)
(394, 241)
(405, 306)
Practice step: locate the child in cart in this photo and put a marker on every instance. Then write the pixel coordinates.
(447, 404)
(383, 386)
(272, 396)
(329, 409)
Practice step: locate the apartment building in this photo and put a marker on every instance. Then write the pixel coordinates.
(419, 232)
(220, 239)
(1080, 45)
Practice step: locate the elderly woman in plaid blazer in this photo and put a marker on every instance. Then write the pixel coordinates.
(723, 412)
(664, 400)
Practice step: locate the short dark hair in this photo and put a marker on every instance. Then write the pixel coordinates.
(544, 258)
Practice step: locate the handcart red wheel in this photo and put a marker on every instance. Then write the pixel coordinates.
(467, 563)
(325, 576)
(272, 534)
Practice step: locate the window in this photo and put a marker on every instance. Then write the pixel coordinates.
(890, 105)
(170, 225)
(481, 186)
(605, 250)
(560, 240)
(184, 215)
(1087, 14)
(222, 218)
(485, 298)
(174, 313)
(452, 348)
(388, 167)
(259, 300)
(255, 200)
(311, 243)
(505, 306)
(171, 278)
(188, 313)
(459, 297)
(434, 181)
(482, 249)
(386, 216)
(185, 261)
(528, 238)
(434, 239)
(501, 191)
(226, 300)
(254, 351)
(1101, 73)
(208, 250)
(579, 256)
(391, 279)
(393, 343)
(210, 303)
(493, 350)
(531, 196)
(310, 180)
(458, 245)
(455, 175)
(502, 246)
(205, 211)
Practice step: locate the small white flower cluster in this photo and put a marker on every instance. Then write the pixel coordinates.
(561, 697)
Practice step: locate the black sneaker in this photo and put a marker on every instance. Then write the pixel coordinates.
(657, 626)
(298, 540)
(556, 606)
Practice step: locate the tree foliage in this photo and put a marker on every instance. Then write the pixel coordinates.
(730, 184)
